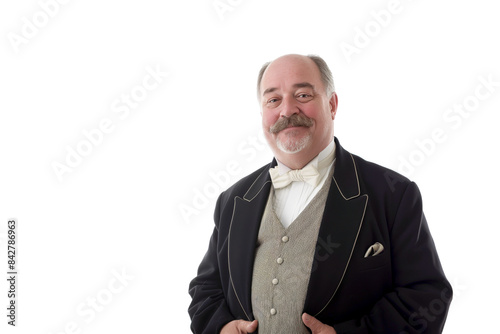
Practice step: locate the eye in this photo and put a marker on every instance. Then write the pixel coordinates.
(304, 97)
(272, 100)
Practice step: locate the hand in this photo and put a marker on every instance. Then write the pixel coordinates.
(316, 326)
(239, 327)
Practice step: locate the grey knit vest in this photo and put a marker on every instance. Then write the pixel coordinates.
(282, 266)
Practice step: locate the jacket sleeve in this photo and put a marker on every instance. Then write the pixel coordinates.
(208, 309)
(421, 294)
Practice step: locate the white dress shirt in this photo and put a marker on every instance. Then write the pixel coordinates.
(292, 199)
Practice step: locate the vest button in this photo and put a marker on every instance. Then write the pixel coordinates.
(279, 260)
(275, 281)
(284, 239)
(273, 311)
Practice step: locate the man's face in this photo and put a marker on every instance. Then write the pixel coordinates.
(291, 90)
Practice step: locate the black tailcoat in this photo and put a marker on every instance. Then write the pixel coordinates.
(401, 290)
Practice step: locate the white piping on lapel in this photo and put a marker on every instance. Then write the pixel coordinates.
(229, 262)
(350, 255)
(357, 234)
(229, 236)
(357, 181)
(258, 192)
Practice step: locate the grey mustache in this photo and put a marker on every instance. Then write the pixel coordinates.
(294, 120)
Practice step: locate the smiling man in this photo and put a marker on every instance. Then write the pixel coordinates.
(319, 241)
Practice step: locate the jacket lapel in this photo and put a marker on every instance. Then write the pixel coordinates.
(243, 232)
(342, 220)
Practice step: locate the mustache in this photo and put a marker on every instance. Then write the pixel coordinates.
(294, 120)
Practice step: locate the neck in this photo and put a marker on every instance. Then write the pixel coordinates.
(296, 160)
(300, 159)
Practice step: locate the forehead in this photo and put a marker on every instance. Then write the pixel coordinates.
(286, 72)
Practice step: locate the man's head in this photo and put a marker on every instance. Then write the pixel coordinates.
(298, 104)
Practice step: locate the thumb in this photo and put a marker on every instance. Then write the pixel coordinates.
(251, 326)
(314, 324)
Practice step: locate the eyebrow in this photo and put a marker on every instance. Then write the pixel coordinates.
(297, 85)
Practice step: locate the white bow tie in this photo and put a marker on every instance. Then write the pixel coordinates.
(307, 174)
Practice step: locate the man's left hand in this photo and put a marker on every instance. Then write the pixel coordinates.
(316, 326)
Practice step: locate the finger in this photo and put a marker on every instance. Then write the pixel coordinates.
(251, 327)
(246, 326)
(314, 324)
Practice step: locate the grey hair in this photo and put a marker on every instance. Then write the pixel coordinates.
(326, 75)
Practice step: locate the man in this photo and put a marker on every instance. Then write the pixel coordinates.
(319, 240)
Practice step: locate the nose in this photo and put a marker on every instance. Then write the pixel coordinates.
(289, 107)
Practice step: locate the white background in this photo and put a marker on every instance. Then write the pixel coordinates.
(120, 208)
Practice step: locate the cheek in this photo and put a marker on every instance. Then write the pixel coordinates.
(318, 113)
(268, 119)
(310, 111)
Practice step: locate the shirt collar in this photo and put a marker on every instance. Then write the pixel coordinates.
(321, 162)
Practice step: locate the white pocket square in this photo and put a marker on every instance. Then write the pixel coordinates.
(374, 249)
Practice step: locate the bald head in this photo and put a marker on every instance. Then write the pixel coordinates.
(305, 61)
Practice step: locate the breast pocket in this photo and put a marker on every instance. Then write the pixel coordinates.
(373, 262)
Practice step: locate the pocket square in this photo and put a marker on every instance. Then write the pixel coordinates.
(374, 249)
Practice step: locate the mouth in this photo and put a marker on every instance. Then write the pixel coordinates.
(292, 128)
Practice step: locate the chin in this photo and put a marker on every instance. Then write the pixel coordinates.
(292, 145)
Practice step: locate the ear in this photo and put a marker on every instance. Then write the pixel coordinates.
(333, 104)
